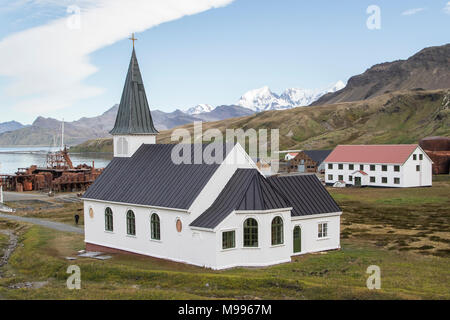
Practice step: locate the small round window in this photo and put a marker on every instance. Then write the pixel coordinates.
(91, 213)
(179, 225)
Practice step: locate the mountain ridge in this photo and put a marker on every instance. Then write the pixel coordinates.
(394, 118)
(47, 131)
(10, 126)
(428, 69)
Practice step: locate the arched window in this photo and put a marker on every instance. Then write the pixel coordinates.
(155, 227)
(109, 219)
(122, 146)
(131, 223)
(277, 231)
(250, 233)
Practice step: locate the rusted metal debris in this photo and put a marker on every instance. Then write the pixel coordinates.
(58, 175)
(438, 149)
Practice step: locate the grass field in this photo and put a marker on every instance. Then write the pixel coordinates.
(412, 219)
(407, 238)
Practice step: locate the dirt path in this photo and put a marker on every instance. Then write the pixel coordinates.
(13, 241)
(45, 223)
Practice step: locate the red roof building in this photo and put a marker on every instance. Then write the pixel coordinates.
(389, 165)
(387, 154)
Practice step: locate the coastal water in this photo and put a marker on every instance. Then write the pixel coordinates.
(13, 158)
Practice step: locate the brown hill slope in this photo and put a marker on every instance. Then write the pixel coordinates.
(428, 69)
(400, 117)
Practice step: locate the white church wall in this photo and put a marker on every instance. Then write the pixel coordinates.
(184, 246)
(309, 225)
(265, 254)
(236, 158)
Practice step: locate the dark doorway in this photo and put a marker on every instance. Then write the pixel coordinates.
(297, 239)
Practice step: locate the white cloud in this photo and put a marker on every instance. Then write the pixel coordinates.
(410, 12)
(447, 8)
(47, 64)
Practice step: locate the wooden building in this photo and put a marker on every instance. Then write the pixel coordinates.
(309, 161)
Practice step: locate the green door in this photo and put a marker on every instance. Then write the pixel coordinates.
(297, 239)
(358, 181)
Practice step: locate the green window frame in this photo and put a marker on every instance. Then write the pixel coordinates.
(351, 167)
(250, 233)
(420, 156)
(109, 219)
(340, 177)
(277, 231)
(228, 239)
(414, 156)
(155, 227)
(330, 177)
(131, 223)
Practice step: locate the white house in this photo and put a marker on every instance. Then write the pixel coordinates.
(290, 155)
(401, 165)
(216, 214)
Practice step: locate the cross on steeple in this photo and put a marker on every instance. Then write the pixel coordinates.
(132, 38)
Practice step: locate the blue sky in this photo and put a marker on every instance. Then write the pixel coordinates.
(213, 56)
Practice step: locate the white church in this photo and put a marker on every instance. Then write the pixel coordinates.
(218, 215)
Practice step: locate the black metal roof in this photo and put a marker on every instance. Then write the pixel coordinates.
(150, 177)
(317, 155)
(246, 190)
(306, 194)
(134, 115)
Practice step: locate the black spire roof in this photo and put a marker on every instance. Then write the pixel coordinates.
(134, 115)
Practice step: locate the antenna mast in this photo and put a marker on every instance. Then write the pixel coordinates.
(62, 134)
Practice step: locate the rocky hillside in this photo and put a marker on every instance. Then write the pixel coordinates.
(47, 131)
(429, 69)
(10, 126)
(399, 117)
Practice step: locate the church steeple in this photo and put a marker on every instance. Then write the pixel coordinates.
(134, 123)
(134, 115)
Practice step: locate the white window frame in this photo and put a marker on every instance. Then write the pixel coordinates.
(235, 239)
(320, 232)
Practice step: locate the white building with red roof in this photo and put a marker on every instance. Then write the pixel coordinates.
(290, 156)
(395, 165)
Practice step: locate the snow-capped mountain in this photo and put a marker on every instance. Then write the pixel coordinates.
(200, 108)
(263, 99)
